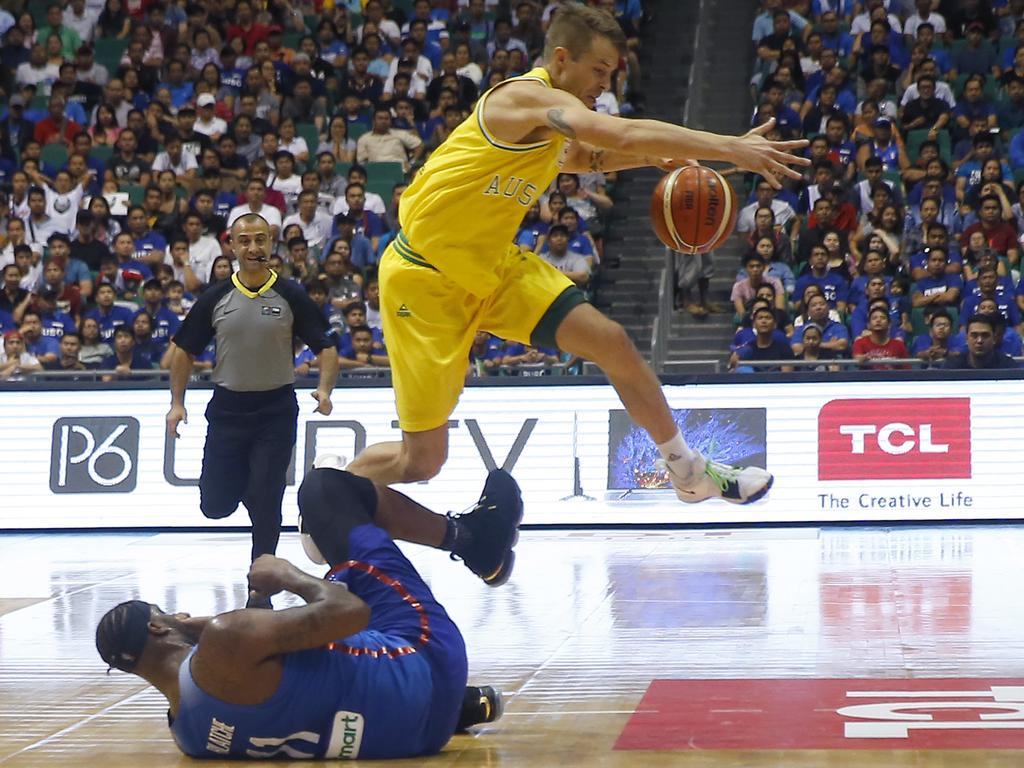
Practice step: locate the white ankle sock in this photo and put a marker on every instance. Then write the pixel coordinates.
(678, 455)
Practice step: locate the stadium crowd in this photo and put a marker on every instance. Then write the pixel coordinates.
(134, 132)
(903, 239)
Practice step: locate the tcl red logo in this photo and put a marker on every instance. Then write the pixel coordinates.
(895, 439)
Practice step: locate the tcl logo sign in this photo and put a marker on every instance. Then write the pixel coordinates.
(895, 439)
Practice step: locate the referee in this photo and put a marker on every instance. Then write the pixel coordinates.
(252, 415)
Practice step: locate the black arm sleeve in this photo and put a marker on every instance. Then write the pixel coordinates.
(310, 324)
(196, 329)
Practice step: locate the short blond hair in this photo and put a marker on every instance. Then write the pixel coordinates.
(575, 26)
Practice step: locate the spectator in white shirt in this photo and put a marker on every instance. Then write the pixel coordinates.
(174, 159)
(924, 15)
(37, 71)
(423, 72)
(384, 144)
(374, 202)
(39, 225)
(208, 123)
(284, 179)
(202, 249)
(765, 198)
(312, 220)
(255, 194)
(80, 19)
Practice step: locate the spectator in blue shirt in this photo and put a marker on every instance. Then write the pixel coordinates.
(144, 239)
(180, 88)
(55, 323)
(833, 287)
(937, 288)
(46, 349)
(486, 354)
(107, 314)
(764, 24)
(972, 106)
(987, 287)
(579, 242)
(934, 346)
(834, 335)
(126, 357)
(978, 56)
(832, 35)
(531, 230)
(165, 323)
(871, 266)
(766, 345)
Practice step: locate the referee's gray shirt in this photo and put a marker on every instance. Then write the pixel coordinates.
(254, 332)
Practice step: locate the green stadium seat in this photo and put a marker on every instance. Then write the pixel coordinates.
(136, 193)
(341, 169)
(309, 132)
(917, 137)
(355, 130)
(54, 155)
(101, 152)
(382, 177)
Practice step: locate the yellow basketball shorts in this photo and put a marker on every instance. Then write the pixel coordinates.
(430, 321)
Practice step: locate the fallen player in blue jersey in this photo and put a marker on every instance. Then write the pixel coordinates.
(370, 667)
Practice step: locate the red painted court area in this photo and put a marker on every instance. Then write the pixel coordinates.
(938, 713)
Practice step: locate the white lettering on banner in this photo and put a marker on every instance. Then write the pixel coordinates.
(895, 719)
(859, 432)
(529, 429)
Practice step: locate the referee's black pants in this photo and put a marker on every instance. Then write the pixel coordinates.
(249, 444)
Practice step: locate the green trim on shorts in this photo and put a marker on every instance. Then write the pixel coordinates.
(403, 249)
(543, 334)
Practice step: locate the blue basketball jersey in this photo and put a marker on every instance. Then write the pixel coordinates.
(369, 698)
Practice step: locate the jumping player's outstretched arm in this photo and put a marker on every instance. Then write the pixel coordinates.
(524, 112)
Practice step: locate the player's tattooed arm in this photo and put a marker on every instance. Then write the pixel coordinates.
(556, 119)
(596, 160)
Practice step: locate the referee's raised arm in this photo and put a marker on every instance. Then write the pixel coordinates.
(253, 318)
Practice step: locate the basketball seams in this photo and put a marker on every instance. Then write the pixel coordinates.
(666, 200)
(726, 212)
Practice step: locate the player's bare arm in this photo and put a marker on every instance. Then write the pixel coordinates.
(238, 658)
(528, 112)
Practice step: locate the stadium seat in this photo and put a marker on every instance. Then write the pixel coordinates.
(101, 152)
(920, 326)
(108, 52)
(355, 130)
(54, 155)
(382, 177)
(136, 192)
(917, 137)
(309, 132)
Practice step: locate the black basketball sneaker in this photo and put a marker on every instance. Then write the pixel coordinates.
(491, 530)
(480, 705)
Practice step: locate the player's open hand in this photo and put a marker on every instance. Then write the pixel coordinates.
(770, 159)
(324, 404)
(268, 575)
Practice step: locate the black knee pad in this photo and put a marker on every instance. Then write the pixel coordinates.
(332, 502)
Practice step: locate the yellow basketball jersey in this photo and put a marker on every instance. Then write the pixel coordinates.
(467, 202)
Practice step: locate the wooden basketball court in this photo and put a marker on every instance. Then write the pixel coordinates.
(668, 648)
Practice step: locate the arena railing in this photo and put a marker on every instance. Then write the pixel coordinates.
(368, 372)
(847, 364)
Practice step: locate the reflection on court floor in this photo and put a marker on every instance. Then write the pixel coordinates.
(768, 647)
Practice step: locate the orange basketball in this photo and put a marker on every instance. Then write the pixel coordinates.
(693, 209)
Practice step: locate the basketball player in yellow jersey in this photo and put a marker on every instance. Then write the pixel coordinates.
(453, 268)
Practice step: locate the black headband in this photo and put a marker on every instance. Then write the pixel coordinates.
(122, 633)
